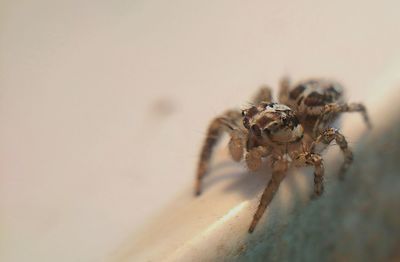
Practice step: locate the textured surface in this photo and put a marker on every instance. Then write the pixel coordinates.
(356, 220)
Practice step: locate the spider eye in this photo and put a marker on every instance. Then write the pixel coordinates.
(246, 123)
(274, 126)
(243, 112)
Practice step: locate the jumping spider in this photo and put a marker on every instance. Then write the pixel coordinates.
(292, 132)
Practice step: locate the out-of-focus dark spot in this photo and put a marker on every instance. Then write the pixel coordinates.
(163, 107)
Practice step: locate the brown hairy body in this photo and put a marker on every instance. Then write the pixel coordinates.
(293, 132)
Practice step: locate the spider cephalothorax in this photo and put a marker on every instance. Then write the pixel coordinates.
(291, 133)
(272, 122)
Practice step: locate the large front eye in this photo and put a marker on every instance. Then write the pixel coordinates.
(274, 126)
(246, 123)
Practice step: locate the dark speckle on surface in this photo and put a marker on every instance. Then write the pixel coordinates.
(163, 107)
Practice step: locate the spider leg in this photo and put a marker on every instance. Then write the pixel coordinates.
(264, 94)
(326, 138)
(221, 124)
(332, 110)
(254, 157)
(284, 88)
(278, 174)
(312, 159)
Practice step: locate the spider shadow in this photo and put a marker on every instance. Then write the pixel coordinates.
(245, 182)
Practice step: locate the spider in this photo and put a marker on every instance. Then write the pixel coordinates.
(293, 132)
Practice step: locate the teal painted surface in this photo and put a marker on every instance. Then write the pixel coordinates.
(357, 219)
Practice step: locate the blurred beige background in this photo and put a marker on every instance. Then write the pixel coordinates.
(104, 104)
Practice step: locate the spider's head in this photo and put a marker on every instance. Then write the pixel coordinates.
(273, 122)
(310, 97)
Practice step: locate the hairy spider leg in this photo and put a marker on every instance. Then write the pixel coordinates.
(221, 124)
(326, 138)
(279, 169)
(313, 159)
(332, 110)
